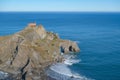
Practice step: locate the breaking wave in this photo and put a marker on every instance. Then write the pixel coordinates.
(60, 71)
(70, 60)
(3, 75)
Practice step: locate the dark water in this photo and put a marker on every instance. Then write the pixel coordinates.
(98, 35)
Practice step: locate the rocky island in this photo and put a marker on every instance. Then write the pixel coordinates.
(26, 54)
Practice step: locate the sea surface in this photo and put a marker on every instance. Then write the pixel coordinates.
(97, 34)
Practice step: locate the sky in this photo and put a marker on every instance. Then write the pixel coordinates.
(61, 5)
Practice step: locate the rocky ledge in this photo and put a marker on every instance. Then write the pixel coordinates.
(26, 54)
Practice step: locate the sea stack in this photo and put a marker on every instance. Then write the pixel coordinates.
(26, 54)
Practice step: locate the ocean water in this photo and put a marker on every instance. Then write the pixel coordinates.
(97, 34)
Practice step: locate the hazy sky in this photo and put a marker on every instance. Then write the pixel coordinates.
(60, 5)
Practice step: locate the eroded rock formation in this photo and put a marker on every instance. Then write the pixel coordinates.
(27, 53)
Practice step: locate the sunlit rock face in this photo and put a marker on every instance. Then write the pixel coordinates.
(27, 53)
(41, 31)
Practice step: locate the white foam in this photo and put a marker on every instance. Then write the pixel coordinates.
(65, 71)
(3, 75)
(77, 41)
(71, 61)
(61, 69)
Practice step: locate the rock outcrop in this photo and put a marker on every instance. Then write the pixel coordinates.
(68, 46)
(27, 53)
(41, 32)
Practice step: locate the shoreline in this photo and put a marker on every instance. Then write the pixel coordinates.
(61, 71)
(33, 49)
(50, 78)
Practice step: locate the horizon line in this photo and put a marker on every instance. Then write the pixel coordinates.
(69, 11)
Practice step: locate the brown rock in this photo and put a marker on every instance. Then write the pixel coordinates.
(41, 31)
(27, 53)
(32, 24)
(68, 46)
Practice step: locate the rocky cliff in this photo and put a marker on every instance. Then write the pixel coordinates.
(26, 54)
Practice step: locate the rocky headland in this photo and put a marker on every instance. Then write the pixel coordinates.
(26, 54)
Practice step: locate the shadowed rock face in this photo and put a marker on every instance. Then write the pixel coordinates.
(27, 53)
(69, 46)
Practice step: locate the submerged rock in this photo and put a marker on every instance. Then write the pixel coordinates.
(27, 53)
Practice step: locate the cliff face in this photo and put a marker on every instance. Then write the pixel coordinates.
(27, 53)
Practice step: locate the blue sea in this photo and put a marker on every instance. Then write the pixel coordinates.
(97, 34)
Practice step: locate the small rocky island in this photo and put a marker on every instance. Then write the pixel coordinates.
(26, 54)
